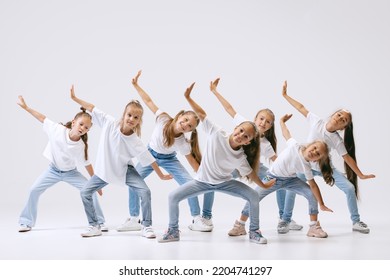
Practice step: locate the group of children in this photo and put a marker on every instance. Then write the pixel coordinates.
(227, 159)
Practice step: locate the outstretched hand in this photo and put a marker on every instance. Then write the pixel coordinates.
(134, 81)
(187, 93)
(214, 84)
(286, 117)
(72, 94)
(369, 176)
(21, 102)
(284, 90)
(324, 208)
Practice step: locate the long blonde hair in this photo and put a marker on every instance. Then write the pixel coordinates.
(169, 135)
(136, 104)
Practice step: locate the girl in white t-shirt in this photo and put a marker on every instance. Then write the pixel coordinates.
(223, 154)
(328, 131)
(67, 147)
(264, 121)
(167, 139)
(296, 159)
(119, 143)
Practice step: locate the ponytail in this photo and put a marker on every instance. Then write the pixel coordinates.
(349, 143)
(85, 136)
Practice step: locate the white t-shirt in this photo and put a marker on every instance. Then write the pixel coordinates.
(290, 162)
(266, 150)
(61, 151)
(157, 141)
(116, 150)
(318, 132)
(219, 159)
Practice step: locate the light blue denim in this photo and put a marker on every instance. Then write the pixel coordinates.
(292, 184)
(343, 184)
(174, 167)
(133, 181)
(231, 187)
(48, 179)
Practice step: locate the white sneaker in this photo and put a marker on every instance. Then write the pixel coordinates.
(294, 226)
(198, 224)
(148, 232)
(24, 228)
(92, 231)
(208, 222)
(360, 227)
(131, 224)
(103, 228)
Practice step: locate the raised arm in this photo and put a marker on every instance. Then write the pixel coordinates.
(285, 131)
(88, 106)
(294, 102)
(40, 117)
(197, 109)
(228, 107)
(145, 97)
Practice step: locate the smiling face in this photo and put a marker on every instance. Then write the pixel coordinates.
(264, 120)
(339, 120)
(186, 122)
(243, 134)
(315, 151)
(81, 125)
(131, 117)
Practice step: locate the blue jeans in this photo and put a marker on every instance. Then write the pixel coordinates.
(133, 181)
(293, 184)
(46, 180)
(232, 187)
(173, 166)
(343, 184)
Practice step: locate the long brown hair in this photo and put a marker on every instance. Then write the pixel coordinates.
(324, 163)
(169, 135)
(252, 150)
(270, 133)
(84, 137)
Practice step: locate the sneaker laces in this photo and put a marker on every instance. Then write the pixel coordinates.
(362, 224)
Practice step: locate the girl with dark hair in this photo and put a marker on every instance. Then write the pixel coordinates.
(264, 121)
(296, 159)
(328, 131)
(224, 153)
(167, 139)
(67, 147)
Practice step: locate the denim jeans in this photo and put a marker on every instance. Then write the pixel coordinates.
(343, 184)
(173, 166)
(133, 180)
(48, 179)
(292, 184)
(232, 187)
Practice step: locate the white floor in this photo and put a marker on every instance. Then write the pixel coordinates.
(52, 241)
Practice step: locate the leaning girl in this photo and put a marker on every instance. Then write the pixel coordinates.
(168, 138)
(119, 143)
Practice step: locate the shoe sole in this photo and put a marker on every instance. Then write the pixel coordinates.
(128, 229)
(296, 228)
(361, 231)
(168, 240)
(239, 234)
(261, 241)
(84, 235)
(201, 230)
(316, 236)
(283, 232)
(24, 230)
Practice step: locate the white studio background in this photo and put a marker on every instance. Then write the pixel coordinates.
(334, 54)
